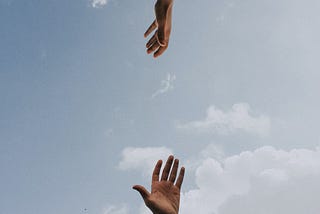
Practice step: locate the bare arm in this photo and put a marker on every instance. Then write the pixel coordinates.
(165, 192)
(159, 42)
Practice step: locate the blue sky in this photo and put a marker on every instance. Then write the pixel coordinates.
(81, 103)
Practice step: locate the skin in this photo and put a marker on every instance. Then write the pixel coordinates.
(161, 26)
(165, 192)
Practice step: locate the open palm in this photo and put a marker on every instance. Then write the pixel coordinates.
(165, 194)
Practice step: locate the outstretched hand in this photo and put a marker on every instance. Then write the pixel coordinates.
(159, 42)
(165, 193)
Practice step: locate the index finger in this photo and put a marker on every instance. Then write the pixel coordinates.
(151, 28)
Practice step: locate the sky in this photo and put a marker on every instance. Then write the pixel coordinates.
(85, 113)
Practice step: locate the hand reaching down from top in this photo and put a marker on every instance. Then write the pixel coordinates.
(165, 192)
(159, 42)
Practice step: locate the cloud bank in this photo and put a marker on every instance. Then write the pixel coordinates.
(262, 181)
(239, 118)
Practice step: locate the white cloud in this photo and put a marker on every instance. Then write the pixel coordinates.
(116, 209)
(144, 210)
(237, 119)
(260, 182)
(142, 158)
(98, 3)
(166, 85)
(263, 181)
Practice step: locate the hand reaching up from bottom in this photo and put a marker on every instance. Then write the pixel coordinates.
(165, 193)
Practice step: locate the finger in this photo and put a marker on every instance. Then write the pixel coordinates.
(180, 178)
(151, 41)
(154, 47)
(143, 192)
(166, 170)
(156, 171)
(151, 28)
(160, 51)
(174, 171)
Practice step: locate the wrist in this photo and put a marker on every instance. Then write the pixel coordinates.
(165, 3)
(165, 212)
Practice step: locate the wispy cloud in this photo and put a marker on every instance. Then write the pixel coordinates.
(116, 209)
(225, 122)
(98, 3)
(166, 85)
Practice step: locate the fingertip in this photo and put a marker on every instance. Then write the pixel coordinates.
(147, 33)
(170, 159)
(183, 169)
(159, 163)
(156, 55)
(176, 161)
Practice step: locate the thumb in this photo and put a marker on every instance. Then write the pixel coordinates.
(143, 192)
(161, 17)
(161, 35)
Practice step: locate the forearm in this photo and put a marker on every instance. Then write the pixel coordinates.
(172, 209)
(164, 2)
(165, 212)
